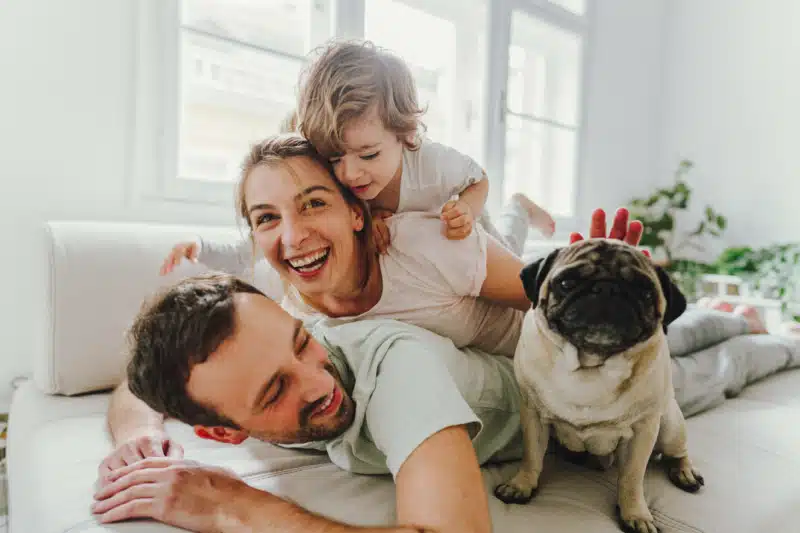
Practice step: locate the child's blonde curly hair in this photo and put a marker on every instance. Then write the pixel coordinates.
(346, 80)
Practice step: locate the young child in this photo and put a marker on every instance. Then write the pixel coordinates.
(358, 107)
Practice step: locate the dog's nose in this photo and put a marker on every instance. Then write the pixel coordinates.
(605, 288)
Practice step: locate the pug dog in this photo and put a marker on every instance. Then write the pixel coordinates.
(594, 371)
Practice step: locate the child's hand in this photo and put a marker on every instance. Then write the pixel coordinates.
(380, 231)
(181, 251)
(457, 216)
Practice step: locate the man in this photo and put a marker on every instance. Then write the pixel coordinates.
(215, 353)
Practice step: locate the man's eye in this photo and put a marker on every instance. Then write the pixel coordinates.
(370, 157)
(334, 162)
(276, 396)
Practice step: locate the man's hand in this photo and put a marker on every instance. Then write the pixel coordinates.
(181, 493)
(153, 443)
(631, 232)
(380, 231)
(458, 219)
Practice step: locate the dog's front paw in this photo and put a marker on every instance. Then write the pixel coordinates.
(520, 489)
(682, 474)
(636, 521)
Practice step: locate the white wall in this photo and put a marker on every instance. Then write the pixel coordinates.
(66, 102)
(731, 104)
(625, 91)
(67, 107)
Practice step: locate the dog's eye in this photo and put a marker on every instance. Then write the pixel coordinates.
(567, 284)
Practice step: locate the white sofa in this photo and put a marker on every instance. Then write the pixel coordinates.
(97, 275)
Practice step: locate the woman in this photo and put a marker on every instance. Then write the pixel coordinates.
(316, 235)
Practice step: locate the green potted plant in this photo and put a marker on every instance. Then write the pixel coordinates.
(659, 211)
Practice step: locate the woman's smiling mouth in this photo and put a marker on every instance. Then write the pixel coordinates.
(309, 265)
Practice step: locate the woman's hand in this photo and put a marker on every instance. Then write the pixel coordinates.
(621, 228)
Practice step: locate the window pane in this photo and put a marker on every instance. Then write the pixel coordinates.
(238, 77)
(445, 52)
(576, 6)
(281, 25)
(540, 162)
(543, 70)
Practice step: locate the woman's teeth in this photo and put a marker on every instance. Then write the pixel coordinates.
(310, 262)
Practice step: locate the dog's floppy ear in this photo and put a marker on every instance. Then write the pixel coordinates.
(676, 301)
(534, 274)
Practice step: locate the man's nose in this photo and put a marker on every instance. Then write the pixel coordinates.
(317, 384)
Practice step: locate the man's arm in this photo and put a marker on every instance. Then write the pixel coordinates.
(439, 490)
(136, 432)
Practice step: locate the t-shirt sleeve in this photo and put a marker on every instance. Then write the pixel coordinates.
(455, 170)
(457, 266)
(415, 397)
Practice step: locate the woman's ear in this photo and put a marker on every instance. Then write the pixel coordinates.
(357, 217)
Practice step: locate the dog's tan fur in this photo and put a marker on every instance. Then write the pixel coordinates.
(621, 407)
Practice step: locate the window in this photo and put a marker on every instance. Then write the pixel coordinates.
(542, 111)
(446, 56)
(502, 81)
(239, 65)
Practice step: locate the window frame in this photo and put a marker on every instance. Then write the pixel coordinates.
(157, 92)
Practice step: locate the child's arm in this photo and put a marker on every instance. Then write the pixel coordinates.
(234, 259)
(459, 215)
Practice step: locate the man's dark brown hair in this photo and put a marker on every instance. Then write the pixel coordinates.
(179, 328)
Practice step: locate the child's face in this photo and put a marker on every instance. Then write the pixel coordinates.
(373, 156)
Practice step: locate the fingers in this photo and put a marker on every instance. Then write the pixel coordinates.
(459, 222)
(459, 233)
(575, 237)
(619, 228)
(150, 462)
(452, 210)
(136, 491)
(634, 234)
(598, 224)
(380, 234)
(131, 454)
(130, 479)
(152, 447)
(173, 449)
(183, 250)
(141, 508)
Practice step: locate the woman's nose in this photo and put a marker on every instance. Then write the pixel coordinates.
(294, 232)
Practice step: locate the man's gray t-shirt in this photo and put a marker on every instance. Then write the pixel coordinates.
(408, 384)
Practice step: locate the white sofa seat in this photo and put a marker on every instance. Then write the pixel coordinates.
(747, 448)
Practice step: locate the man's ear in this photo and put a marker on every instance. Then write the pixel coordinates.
(534, 274)
(676, 301)
(221, 434)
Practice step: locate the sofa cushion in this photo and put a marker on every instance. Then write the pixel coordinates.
(98, 275)
(746, 448)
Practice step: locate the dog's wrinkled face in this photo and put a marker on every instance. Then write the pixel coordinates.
(602, 296)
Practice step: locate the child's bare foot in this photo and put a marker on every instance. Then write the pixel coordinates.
(539, 218)
(715, 303)
(754, 322)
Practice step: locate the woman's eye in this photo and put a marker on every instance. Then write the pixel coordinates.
(265, 218)
(311, 204)
(370, 157)
(334, 162)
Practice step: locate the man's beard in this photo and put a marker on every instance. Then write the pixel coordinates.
(308, 432)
